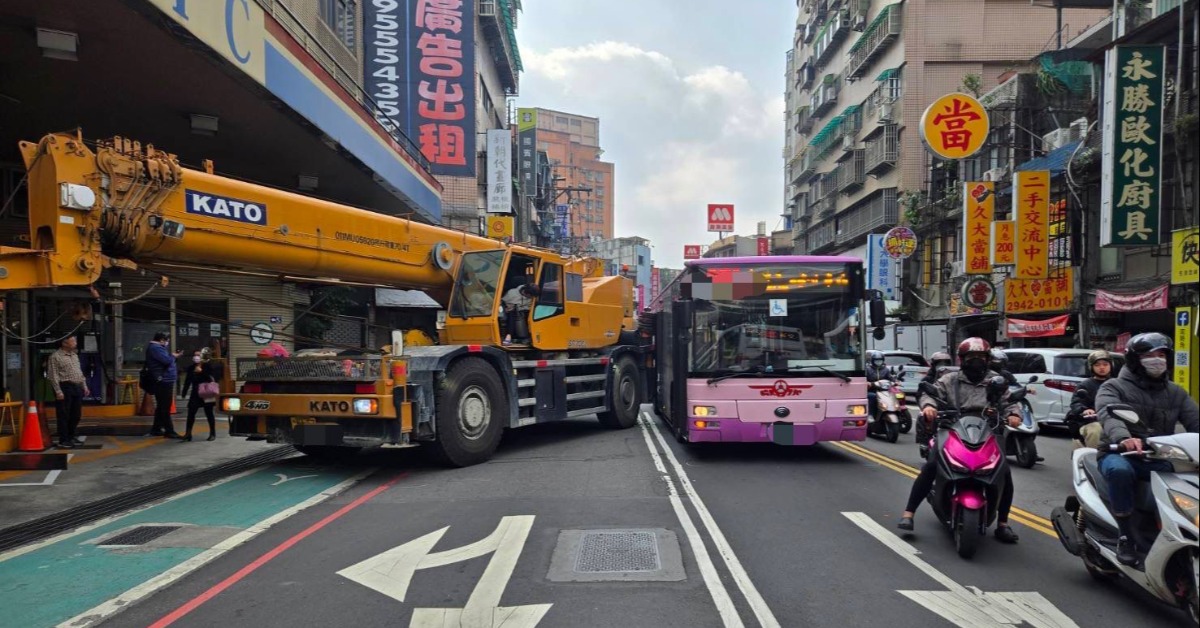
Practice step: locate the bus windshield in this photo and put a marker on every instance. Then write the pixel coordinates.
(774, 318)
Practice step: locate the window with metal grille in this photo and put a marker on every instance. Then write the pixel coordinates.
(341, 16)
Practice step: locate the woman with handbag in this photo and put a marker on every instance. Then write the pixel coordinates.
(203, 380)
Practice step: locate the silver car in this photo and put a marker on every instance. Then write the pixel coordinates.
(1058, 372)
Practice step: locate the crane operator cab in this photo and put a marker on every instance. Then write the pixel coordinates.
(528, 298)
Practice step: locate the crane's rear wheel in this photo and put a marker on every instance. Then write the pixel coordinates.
(471, 406)
(625, 396)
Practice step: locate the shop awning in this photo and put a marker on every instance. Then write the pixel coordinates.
(826, 130)
(887, 74)
(1055, 161)
(850, 110)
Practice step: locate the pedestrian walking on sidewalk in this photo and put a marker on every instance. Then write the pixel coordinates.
(69, 390)
(161, 362)
(203, 380)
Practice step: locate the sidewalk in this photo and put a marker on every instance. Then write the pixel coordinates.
(126, 460)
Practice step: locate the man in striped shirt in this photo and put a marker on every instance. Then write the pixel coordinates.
(70, 388)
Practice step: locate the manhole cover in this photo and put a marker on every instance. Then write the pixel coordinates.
(610, 552)
(139, 535)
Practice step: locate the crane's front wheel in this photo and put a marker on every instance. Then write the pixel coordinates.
(471, 407)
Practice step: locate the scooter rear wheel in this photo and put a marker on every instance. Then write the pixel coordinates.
(1027, 453)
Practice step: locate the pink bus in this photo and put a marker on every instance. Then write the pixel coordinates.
(764, 349)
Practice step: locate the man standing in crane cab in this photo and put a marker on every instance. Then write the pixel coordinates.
(517, 303)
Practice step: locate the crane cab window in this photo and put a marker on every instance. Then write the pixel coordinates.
(477, 284)
(550, 301)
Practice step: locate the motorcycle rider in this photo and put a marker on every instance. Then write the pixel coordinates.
(876, 369)
(966, 389)
(1160, 404)
(1081, 419)
(999, 363)
(937, 367)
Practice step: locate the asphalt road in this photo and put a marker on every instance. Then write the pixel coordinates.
(766, 535)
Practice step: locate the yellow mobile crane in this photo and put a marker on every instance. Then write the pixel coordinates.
(127, 204)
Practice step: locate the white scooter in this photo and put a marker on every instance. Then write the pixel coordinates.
(1166, 521)
(1021, 441)
(886, 420)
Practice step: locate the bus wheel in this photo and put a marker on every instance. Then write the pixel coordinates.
(471, 407)
(625, 396)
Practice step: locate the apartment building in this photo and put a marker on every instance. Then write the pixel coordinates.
(859, 75)
(572, 145)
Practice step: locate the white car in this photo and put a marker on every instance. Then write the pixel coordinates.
(915, 367)
(1058, 372)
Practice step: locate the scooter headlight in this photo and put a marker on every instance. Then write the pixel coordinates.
(1171, 452)
(1187, 506)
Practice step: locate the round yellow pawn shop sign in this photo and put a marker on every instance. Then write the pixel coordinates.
(955, 126)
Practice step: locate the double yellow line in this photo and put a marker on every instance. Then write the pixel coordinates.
(1024, 517)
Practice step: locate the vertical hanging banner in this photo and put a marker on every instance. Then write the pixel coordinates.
(1131, 158)
(527, 150)
(980, 208)
(419, 68)
(883, 271)
(763, 246)
(562, 215)
(1004, 242)
(1031, 206)
(1184, 326)
(499, 171)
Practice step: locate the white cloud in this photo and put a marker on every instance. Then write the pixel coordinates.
(680, 138)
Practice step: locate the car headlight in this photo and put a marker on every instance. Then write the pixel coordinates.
(1187, 506)
(704, 411)
(231, 404)
(366, 406)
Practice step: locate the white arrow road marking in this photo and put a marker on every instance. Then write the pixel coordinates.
(391, 573)
(967, 607)
(284, 478)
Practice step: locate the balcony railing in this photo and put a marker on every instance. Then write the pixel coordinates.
(852, 173)
(881, 209)
(882, 150)
(804, 120)
(825, 96)
(880, 33)
(821, 236)
(805, 169)
(832, 34)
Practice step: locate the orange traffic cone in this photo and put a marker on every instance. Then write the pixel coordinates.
(173, 404)
(31, 431)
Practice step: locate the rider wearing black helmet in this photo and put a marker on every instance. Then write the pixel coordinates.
(999, 363)
(1081, 418)
(876, 369)
(1160, 404)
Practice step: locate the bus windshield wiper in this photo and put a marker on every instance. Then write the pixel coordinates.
(756, 373)
(822, 367)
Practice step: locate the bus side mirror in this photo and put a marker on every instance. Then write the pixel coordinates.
(878, 313)
(879, 333)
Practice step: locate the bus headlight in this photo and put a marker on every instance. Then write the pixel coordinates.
(704, 411)
(366, 406)
(856, 410)
(231, 404)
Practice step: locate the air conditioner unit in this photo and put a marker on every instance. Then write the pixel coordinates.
(885, 112)
(1056, 139)
(848, 143)
(858, 23)
(995, 174)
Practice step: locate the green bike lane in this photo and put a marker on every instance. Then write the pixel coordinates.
(80, 574)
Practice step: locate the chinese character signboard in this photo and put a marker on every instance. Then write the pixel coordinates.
(883, 271)
(764, 246)
(500, 227)
(954, 126)
(1031, 206)
(1131, 162)
(1004, 242)
(900, 242)
(691, 251)
(720, 218)
(499, 171)
(420, 70)
(1024, 296)
(654, 282)
(977, 227)
(978, 292)
(527, 150)
(1185, 256)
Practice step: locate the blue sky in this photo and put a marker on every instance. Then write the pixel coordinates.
(690, 100)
